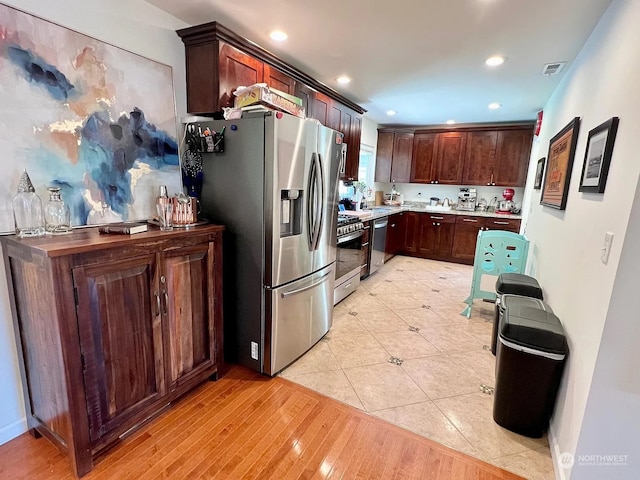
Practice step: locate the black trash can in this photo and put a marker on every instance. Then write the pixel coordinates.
(512, 284)
(532, 349)
(503, 302)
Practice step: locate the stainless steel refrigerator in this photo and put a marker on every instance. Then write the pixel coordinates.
(275, 189)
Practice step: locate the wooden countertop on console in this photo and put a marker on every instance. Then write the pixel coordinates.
(90, 239)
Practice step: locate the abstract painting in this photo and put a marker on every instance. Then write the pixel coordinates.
(83, 115)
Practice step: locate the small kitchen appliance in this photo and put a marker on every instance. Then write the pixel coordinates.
(506, 206)
(467, 199)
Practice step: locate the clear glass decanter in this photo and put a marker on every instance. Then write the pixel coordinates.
(27, 209)
(57, 217)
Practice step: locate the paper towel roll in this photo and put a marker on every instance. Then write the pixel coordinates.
(379, 197)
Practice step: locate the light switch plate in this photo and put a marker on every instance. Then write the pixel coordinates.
(606, 249)
(254, 350)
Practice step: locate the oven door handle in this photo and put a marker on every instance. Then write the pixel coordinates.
(351, 236)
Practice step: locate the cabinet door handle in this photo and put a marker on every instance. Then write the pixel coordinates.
(492, 182)
(365, 244)
(436, 181)
(393, 225)
(157, 304)
(500, 223)
(437, 218)
(469, 220)
(166, 301)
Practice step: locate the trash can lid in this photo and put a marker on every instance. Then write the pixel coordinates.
(519, 284)
(509, 300)
(533, 328)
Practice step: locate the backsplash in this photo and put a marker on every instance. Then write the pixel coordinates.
(419, 192)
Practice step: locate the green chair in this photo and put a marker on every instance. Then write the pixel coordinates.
(497, 252)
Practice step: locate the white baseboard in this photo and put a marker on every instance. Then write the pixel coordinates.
(11, 431)
(555, 456)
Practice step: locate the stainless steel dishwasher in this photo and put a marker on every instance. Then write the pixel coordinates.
(378, 242)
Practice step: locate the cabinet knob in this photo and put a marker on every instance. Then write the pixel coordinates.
(432, 181)
(436, 181)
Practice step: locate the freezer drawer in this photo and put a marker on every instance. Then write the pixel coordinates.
(301, 313)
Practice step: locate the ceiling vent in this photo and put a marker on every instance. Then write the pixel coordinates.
(553, 68)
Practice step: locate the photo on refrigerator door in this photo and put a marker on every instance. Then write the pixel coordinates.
(84, 116)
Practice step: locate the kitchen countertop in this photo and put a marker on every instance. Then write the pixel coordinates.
(384, 211)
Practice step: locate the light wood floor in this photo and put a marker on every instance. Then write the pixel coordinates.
(248, 426)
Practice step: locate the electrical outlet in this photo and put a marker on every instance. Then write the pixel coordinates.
(254, 350)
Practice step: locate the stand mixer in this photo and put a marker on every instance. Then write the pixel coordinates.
(506, 206)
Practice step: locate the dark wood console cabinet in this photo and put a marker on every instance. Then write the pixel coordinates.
(218, 61)
(112, 328)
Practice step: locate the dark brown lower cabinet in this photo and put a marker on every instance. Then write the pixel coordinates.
(465, 238)
(499, 223)
(436, 236)
(395, 235)
(112, 328)
(449, 237)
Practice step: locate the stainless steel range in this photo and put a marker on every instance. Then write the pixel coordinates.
(349, 256)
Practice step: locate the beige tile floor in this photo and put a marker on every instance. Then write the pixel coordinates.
(399, 349)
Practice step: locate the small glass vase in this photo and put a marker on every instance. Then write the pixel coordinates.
(57, 217)
(27, 209)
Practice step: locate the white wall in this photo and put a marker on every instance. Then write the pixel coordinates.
(369, 134)
(135, 26)
(565, 253)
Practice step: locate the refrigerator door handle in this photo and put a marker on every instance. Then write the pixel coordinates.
(321, 199)
(311, 222)
(323, 279)
(315, 200)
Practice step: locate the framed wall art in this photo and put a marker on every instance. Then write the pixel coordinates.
(83, 115)
(537, 183)
(597, 157)
(562, 149)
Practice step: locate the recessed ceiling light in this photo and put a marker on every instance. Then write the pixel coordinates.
(343, 80)
(391, 113)
(494, 105)
(495, 60)
(278, 36)
(450, 122)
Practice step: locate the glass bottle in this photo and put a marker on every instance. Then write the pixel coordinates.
(57, 218)
(27, 209)
(164, 208)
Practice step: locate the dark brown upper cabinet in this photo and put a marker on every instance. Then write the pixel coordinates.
(393, 157)
(438, 158)
(236, 69)
(512, 157)
(478, 159)
(218, 61)
(278, 80)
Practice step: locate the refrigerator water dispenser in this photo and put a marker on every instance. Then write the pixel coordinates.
(290, 212)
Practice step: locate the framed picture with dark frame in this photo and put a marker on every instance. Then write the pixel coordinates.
(562, 149)
(537, 183)
(597, 156)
